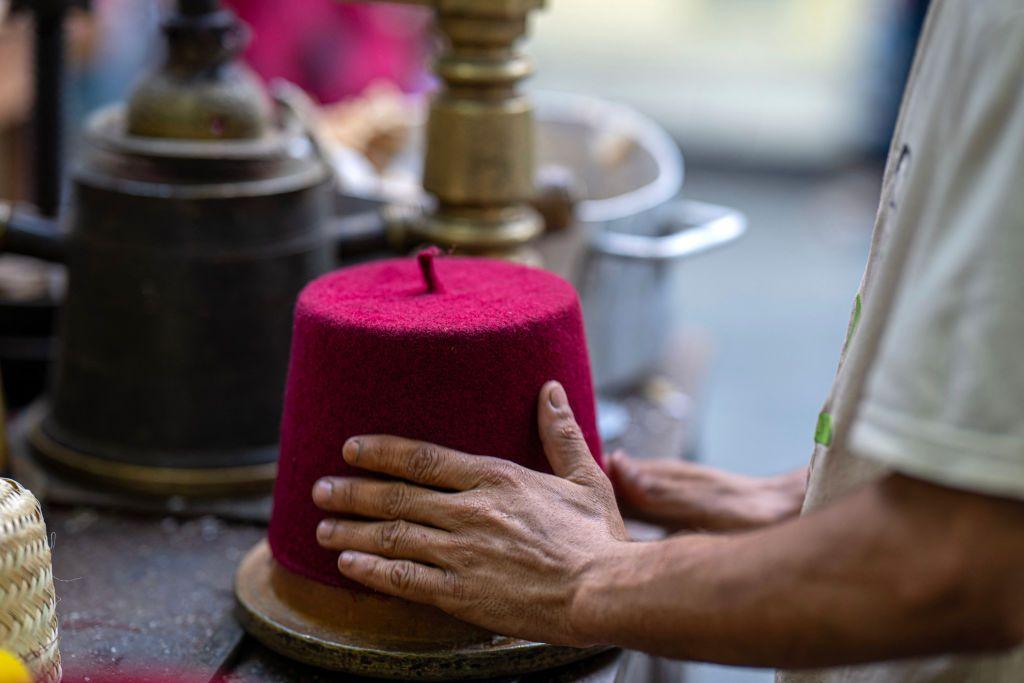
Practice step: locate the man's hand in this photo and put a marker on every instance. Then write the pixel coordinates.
(488, 541)
(681, 495)
(897, 568)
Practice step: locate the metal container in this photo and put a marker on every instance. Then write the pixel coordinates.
(630, 170)
(184, 260)
(625, 172)
(627, 289)
(196, 214)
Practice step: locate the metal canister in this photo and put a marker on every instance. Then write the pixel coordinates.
(184, 260)
(196, 214)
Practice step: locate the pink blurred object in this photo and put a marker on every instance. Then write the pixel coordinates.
(334, 50)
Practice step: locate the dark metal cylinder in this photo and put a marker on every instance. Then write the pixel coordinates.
(184, 261)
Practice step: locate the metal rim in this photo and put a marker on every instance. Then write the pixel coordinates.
(281, 627)
(649, 135)
(167, 481)
(105, 129)
(559, 107)
(696, 227)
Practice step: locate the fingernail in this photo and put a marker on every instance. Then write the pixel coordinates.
(322, 491)
(351, 451)
(346, 559)
(325, 529)
(557, 397)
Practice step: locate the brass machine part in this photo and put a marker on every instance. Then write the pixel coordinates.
(145, 479)
(192, 212)
(202, 91)
(479, 162)
(369, 634)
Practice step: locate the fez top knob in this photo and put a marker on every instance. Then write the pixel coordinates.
(426, 260)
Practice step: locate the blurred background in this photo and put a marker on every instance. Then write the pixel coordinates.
(782, 108)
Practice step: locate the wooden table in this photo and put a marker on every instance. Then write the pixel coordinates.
(148, 586)
(154, 594)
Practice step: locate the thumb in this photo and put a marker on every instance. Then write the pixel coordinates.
(562, 437)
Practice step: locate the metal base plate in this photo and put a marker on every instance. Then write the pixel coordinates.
(143, 479)
(372, 635)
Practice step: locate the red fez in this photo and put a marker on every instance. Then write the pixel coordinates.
(452, 351)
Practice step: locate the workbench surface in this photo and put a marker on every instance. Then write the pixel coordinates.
(153, 589)
(154, 594)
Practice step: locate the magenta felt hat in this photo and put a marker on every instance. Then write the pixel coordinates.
(450, 350)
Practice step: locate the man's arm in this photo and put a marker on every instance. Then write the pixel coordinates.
(898, 569)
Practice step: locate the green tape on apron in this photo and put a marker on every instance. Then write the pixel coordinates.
(823, 434)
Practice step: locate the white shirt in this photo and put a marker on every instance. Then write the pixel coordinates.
(931, 382)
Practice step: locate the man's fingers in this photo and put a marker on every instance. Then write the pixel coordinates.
(420, 462)
(633, 484)
(621, 470)
(401, 578)
(564, 445)
(627, 474)
(395, 539)
(666, 468)
(381, 499)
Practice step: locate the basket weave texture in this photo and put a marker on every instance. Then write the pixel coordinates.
(28, 614)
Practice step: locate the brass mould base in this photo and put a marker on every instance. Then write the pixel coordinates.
(160, 481)
(370, 635)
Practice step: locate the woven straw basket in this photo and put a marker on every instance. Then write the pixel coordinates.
(28, 615)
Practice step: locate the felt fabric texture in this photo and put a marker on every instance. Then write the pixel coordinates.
(375, 352)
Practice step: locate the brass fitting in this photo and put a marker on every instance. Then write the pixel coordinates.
(202, 91)
(479, 162)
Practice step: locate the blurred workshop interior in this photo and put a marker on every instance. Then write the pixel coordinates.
(781, 108)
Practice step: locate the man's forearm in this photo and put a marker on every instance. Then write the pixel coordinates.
(897, 569)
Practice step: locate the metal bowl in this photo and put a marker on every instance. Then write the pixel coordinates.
(624, 162)
(626, 171)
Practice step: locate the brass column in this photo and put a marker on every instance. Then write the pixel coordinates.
(479, 162)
